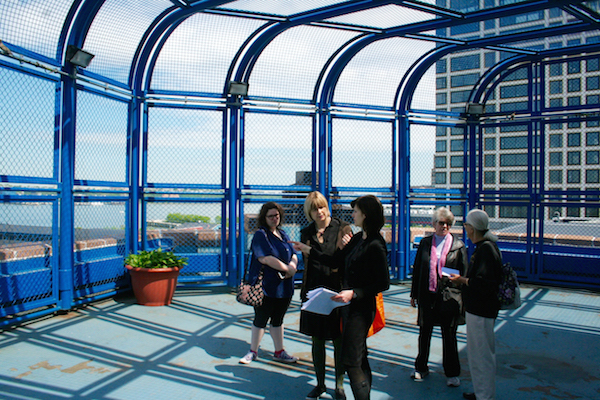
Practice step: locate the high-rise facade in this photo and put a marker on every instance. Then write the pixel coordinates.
(562, 151)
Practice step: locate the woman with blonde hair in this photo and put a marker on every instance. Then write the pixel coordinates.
(324, 233)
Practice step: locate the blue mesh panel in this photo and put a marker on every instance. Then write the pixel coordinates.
(290, 66)
(34, 25)
(197, 55)
(101, 144)
(27, 138)
(362, 153)
(373, 75)
(280, 7)
(277, 146)
(383, 17)
(184, 146)
(116, 33)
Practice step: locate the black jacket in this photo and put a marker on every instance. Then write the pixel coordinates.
(485, 267)
(456, 259)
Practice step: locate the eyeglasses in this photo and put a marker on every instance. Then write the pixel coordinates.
(273, 216)
(444, 223)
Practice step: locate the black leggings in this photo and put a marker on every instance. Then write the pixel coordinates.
(272, 308)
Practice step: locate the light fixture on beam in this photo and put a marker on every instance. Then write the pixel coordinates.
(77, 56)
(237, 88)
(474, 109)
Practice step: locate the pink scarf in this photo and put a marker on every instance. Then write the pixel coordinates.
(435, 268)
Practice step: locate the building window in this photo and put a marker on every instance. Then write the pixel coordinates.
(440, 83)
(457, 145)
(440, 67)
(519, 74)
(457, 177)
(573, 176)
(521, 18)
(556, 87)
(490, 144)
(489, 160)
(508, 92)
(513, 177)
(592, 176)
(556, 158)
(574, 139)
(514, 106)
(592, 157)
(556, 140)
(464, 80)
(440, 178)
(574, 101)
(440, 131)
(573, 158)
(489, 177)
(556, 102)
(574, 67)
(512, 160)
(556, 69)
(592, 82)
(572, 212)
(440, 146)
(513, 142)
(461, 96)
(464, 63)
(441, 98)
(489, 24)
(592, 139)
(440, 162)
(457, 131)
(513, 211)
(489, 59)
(592, 65)
(457, 161)
(466, 28)
(592, 99)
(555, 176)
(574, 125)
(574, 85)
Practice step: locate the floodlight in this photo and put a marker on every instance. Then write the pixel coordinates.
(238, 88)
(474, 109)
(77, 56)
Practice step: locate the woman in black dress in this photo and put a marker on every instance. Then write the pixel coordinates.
(324, 234)
(366, 273)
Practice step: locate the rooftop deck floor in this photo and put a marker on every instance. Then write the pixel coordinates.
(116, 349)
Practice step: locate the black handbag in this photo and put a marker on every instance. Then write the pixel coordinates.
(251, 295)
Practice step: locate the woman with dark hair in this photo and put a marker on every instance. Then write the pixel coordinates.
(272, 253)
(439, 300)
(324, 234)
(366, 273)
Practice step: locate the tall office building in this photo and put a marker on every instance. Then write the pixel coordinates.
(566, 146)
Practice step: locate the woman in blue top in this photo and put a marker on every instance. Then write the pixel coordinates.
(271, 252)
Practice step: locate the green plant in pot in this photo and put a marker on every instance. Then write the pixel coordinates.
(154, 275)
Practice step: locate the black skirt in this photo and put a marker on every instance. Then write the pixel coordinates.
(326, 327)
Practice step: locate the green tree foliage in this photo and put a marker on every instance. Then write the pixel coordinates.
(183, 218)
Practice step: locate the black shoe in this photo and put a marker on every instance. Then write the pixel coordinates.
(339, 394)
(316, 392)
(469, 396)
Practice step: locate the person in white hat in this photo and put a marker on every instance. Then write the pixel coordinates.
(480, 296)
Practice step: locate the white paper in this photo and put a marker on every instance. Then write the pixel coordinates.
(319, 301)
(449, 271)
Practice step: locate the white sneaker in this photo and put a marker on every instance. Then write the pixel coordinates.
(285, 357)
(248, 358)
(453, 382)
(418, 376)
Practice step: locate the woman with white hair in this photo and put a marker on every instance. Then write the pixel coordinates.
(438, 298)
(480, 295)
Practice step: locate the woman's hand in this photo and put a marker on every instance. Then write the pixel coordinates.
(345, 296)
(346, 239)
(299, 246)
(413, 302)
(459, 279)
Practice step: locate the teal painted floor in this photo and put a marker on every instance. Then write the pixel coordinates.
(116, 349)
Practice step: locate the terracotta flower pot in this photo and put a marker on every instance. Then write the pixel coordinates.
(153, 287)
